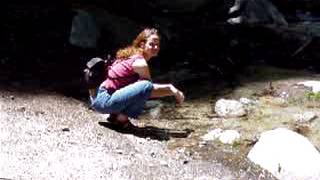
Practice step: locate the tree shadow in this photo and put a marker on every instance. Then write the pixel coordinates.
(161, 134)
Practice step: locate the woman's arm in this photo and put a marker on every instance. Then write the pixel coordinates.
(141, 67)
(162, 90)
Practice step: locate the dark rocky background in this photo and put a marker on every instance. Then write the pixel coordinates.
(37, 51)
(205, 44)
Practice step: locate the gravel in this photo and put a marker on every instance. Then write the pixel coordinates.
(45, 135)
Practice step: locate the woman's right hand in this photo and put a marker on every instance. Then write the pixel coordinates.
(162, 90)
(179, 97)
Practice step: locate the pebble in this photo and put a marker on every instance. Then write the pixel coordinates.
(305, 117)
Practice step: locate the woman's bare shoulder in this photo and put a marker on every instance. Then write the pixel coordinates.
(140, 62)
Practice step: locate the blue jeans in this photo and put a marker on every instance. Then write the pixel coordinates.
(128, 100)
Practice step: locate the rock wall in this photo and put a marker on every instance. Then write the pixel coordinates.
(42, 38)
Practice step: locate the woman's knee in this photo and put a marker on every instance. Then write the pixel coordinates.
(100, 101)
(147, 85)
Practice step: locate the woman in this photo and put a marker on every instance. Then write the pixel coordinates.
(128, 85)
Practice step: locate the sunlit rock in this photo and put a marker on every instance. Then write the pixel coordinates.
(305, 117)
(224, 136)
(229, 108)
(287, 155)
(246, 101)
(229, 136)
(315, 85)
(212, 135)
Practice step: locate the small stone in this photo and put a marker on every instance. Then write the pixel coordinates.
(182, 150)
(119, 151)
(212, 135)
(305, 117)
(22, 109)
(246, 101)
(153, 154)
(284, 94)
(229, 136)
(202, 144)
(185, 162)
(66, 129)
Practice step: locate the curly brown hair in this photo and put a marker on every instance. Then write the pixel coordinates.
(135, 48)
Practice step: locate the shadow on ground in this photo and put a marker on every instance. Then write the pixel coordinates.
(161, 134)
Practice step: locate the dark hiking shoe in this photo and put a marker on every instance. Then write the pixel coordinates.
(119, 124)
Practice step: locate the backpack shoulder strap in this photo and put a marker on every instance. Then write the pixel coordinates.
(93, 62)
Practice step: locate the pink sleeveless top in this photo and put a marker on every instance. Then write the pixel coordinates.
(121, 74)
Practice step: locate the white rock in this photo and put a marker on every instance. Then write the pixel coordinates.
(229, 108)
(212, 135)
(284, 94)
(305, 117)
(246, 101)
(315, 85)
(287, 155)
(226, 136)
(229, 136)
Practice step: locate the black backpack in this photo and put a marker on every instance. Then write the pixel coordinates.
(96, 72)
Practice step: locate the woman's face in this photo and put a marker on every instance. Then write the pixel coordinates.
(152, 46)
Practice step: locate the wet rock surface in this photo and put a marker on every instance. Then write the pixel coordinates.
(275, 99)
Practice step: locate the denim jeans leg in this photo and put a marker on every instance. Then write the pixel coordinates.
(100, 102)
(131, 99)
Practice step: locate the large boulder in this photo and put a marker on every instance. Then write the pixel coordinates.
(84, 30)
(287, 155)
(256, 12)
(93, 26)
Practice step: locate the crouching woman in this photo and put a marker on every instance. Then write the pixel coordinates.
(128, 85)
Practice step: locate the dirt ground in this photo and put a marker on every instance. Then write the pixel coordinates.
(46, 135)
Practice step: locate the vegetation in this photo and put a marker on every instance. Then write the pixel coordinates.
(313, 96)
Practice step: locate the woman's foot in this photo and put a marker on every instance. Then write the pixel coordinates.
(120, 120)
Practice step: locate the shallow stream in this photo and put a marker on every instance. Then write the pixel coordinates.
(262, 84)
